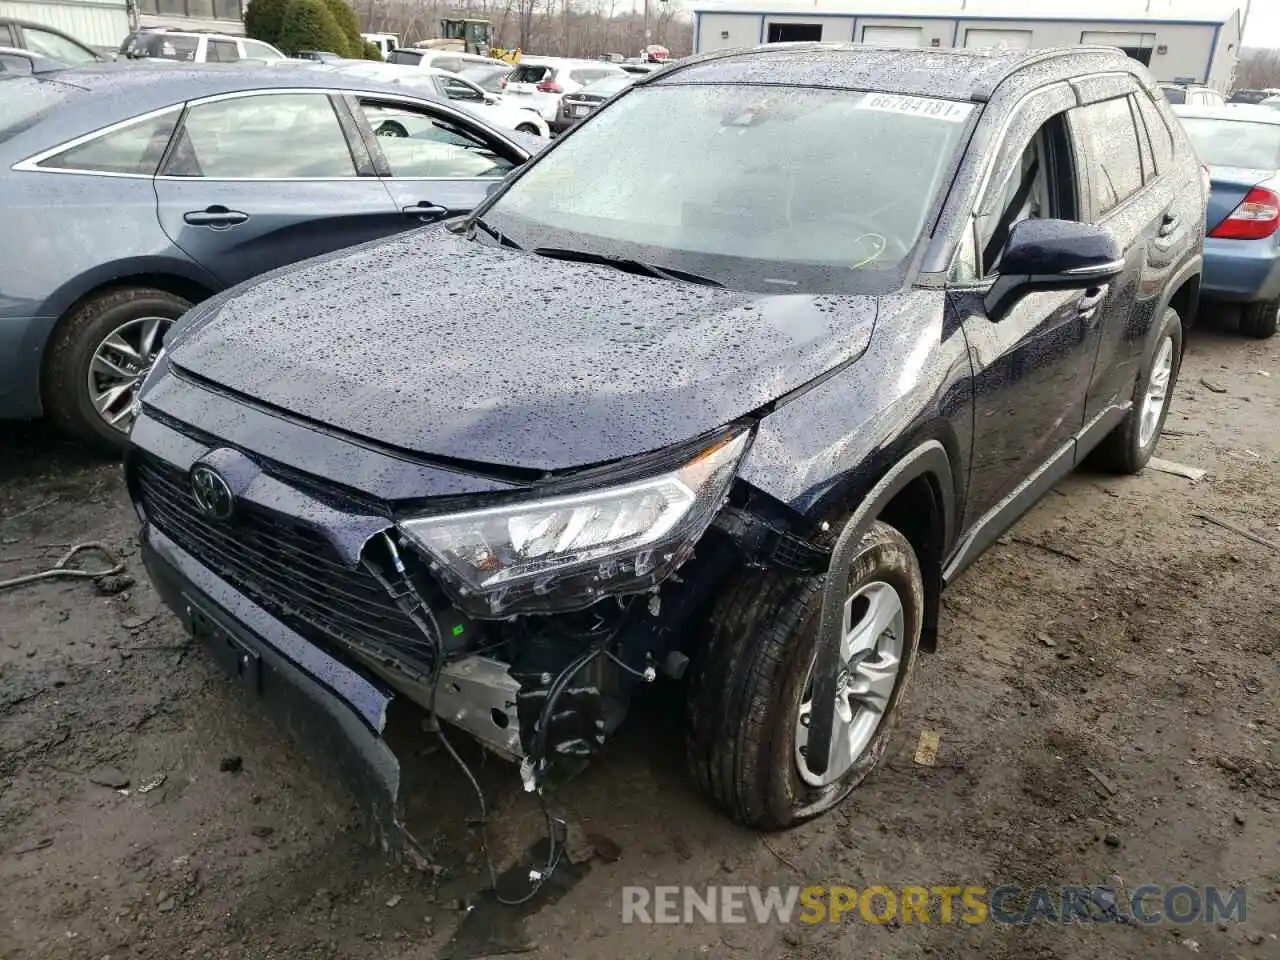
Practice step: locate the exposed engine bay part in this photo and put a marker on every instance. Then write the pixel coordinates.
(479, 695)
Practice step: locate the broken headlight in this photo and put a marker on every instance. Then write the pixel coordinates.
(566, 552)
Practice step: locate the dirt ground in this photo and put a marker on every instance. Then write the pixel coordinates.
(1107, 695)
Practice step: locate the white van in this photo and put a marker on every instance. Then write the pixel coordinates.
(385, 42)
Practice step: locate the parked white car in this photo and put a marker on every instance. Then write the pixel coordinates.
(451, 60)
(192, 47)
(494, 109)
(540, 82)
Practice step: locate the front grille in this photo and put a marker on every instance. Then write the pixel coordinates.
(285, 567)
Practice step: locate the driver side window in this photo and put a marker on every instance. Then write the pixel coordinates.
(421, 145)
(1036, 185)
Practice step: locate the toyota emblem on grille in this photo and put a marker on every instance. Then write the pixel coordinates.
(211, 492)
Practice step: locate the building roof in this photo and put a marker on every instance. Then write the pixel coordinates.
(1178, 11)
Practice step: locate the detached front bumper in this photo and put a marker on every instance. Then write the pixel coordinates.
(339, 713)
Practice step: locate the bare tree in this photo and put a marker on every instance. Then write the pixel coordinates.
(1258, 69)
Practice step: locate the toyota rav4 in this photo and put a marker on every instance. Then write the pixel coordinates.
(773, 381)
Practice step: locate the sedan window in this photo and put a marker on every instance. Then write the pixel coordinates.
(1235, 143)
(134, 149)
(54, 45)
(271, 137)
(420, 145)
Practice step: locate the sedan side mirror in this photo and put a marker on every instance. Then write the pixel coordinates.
(1053, 255)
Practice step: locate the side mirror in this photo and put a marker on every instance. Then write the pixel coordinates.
(1053, 255)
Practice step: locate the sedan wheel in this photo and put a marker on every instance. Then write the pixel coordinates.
(119, 366)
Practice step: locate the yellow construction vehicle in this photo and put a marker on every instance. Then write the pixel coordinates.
(469, 36)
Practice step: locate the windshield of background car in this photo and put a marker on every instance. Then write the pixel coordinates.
(1235, 143)
(24, 101)
(784, 189)
(1175, 95)
(610, 85)
(408, 57)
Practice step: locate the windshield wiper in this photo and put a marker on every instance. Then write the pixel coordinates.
(627, 265)
(498, 235)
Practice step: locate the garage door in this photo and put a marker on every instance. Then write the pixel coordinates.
(1136, 45)
(1008, 39)
(893, 36)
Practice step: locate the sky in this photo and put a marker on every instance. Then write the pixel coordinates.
(1264, 24)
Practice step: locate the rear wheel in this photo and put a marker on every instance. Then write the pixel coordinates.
(1128, 448)
(98, 356)
(1260, 320)
(752, 687)
(529, 128)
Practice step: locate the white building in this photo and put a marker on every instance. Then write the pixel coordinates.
(1188, 41)
(105, 23)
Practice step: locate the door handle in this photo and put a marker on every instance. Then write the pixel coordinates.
(1168, 225)
(425, 210)
(218, 217)
(1087, 305)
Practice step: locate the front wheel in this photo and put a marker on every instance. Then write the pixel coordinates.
(751, 690)
(1260, 320)
(530, 129)
(1128, 448)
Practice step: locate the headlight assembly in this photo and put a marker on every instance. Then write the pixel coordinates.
(564, 553)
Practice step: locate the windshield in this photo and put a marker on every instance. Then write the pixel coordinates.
(609, 85)
(1235, 143)
(1175, 95)
(761, 188)
(410, 57)
(26, 100)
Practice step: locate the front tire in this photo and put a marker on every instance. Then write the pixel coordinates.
(530, 129)
(750, 688)
(1260, 320)
(98, 356)
(1130, 445)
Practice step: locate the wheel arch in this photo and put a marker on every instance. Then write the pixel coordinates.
(1182, 293)
(172, 276)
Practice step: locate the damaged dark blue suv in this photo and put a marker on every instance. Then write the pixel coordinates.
(731, 405)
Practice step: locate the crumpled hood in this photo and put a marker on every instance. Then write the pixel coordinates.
(442, 346)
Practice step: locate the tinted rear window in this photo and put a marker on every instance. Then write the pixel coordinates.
(25, 101)
(411, 57)
(529, 73)
(160, 46)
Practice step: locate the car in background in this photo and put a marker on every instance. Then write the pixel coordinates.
(130, 194)
(1191, 95)
(319, 56)
(449, 86)
(385, 42)
(540, 82)
(576, 106)
(452, 60)
(1271, 103)
(47, 42)
(1240, 144)
(485, 77)
(1248, 96)
(168, 43)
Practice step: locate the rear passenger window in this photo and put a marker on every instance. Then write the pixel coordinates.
(1157, 131)
(135, 149)
(1109, 139)
(271, 137)
(222, 51)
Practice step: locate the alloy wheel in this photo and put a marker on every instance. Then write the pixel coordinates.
(873, 631)
(1157, 395)
(119, 366)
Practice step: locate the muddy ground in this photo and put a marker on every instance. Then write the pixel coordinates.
(1106, 695)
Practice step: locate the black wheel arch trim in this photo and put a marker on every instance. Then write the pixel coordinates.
(929, 460)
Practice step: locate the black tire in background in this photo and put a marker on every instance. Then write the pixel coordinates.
(69, 356)
(750, 677)
(1125, 450)
(1260, 320)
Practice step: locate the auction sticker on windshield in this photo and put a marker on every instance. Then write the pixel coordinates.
(916, 106)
